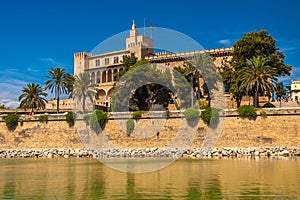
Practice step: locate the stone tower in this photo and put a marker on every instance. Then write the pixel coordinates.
(80, 62)
(141, 45)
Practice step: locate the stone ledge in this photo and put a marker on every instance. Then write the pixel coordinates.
(153, 153)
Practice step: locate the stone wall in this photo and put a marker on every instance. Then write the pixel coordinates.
(34, 134)
(272, 131)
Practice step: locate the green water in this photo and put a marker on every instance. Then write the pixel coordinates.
(184, 179)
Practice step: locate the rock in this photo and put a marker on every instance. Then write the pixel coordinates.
(256, 153)
(284, 153)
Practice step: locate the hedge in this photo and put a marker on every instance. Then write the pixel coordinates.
(11, 121)
(210, 116)
(129, 126)
(247, 111)
(70, 118)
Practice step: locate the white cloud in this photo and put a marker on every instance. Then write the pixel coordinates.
(9, 95)
(10, 103)
(295, 75)
(288, 49)
(32, 69)
(53, 62)
(224, 42)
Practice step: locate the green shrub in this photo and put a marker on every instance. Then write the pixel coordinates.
(247, 111)
(101, 117)
(191, 113)
(192, 116)
(11, 121)
(86, 118)
(166, 114)
(137, 114)
(93, 122)
(269, 105)
(203, 104)
(70, 118)
(210, 116)
(129, 126)
(97, 120)
(43, 118)
(263, 114)
(21, 122)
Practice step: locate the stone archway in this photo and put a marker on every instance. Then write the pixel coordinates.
(104, 77)
(115, 73)
(93, 78)
(100, 97)
(109, 76)
(98, 77)
(109, 95)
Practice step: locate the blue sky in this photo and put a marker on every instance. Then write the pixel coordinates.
(39, 35)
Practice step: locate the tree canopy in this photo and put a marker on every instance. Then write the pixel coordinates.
(58, 82)
(256, 44)
(82, 89)
(257, 77)
(280, 90)
(33, 97)
(256, 53)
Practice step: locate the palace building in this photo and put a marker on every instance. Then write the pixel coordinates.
(103, 68)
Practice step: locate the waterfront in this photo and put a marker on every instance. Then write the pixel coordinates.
(245, 178)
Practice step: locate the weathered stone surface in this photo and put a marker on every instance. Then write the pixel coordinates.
(148, 153)
(240, 137)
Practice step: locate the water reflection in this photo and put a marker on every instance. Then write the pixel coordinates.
(184, 179)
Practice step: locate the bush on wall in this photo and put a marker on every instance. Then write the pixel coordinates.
(137, 114)
(192, 116)
(210, 116)
(247, 111)
(11, 121)
(43, 118)
(97, 120)
(70, 118)
(129, 126)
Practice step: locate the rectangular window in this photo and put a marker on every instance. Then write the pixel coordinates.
(97, 62)
(116, 59)
(106, 61)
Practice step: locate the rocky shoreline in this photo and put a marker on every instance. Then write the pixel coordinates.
(153, 153)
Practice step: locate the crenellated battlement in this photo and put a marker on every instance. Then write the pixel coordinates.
(80, 63)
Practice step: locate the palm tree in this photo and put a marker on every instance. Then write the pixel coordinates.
(57, 83)
(69, 84)
(83, 88)
(257, 77)
(32, 97)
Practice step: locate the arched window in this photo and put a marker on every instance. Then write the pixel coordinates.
(93, 78)
(104, 77)
(98, 78)
(109, 76)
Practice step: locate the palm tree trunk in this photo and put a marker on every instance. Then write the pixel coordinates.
(83, 103)
(255, 100)
(57, 99)
(238, 102)
(57, 104)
